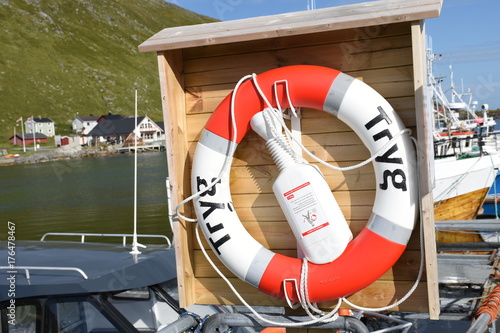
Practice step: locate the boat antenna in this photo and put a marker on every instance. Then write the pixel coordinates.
(311, 4)
(135, 244)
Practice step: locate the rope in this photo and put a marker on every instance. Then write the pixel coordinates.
(227, 161)
(490, 304)
(322, 319)
(422, 254)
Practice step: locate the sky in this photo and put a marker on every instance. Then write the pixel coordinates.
(467, 35)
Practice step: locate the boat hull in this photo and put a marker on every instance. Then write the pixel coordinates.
(460, 190)
(462, 207)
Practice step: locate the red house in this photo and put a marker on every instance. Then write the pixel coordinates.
(28, 139)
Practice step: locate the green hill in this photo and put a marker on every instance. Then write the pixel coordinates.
(60, 58)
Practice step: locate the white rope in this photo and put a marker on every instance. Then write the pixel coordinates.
(422, 254)
(304, 297)
(322, 319)
(227, 161)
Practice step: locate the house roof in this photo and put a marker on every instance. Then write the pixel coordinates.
(109, 117)
(88, 118)
(29, 136)
(42, 120)
(114, 126)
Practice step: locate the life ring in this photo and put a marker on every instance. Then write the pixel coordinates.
(381, 242)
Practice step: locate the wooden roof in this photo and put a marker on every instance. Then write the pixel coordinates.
(296, 23)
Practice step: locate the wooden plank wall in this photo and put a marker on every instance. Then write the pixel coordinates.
(379, 55)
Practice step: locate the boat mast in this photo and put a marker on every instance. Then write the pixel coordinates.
(311, 4)
(135, 244)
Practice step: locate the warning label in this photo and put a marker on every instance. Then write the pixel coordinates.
(304, 205)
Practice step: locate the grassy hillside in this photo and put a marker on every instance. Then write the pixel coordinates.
(59, 58)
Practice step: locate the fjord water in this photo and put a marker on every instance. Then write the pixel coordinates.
(92, 195)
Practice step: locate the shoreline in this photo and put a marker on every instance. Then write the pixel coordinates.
(55, 154)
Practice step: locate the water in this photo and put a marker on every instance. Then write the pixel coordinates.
(85, 195)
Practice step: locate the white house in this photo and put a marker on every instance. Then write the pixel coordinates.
(40, 125)
(122, 130)
(84, 124)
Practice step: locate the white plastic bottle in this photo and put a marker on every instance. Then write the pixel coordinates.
(305, 198)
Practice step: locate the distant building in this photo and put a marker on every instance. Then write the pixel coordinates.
(110, 117)
(28, 139)
(40, 125)
(66, 140)
(121, 130)
(84, 124)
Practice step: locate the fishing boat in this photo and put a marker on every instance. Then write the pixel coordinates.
(465, 155)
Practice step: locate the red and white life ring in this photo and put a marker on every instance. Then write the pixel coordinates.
(381, 242)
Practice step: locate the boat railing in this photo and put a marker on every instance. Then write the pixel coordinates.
(123, 236)
(26, 269)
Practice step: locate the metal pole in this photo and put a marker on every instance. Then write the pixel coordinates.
(22, 131)
(182, 324)
(34, 130)
(214, 322)
(135, 249)
(481, 324)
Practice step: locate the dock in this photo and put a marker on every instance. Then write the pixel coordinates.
(141, 148)
(467, 271)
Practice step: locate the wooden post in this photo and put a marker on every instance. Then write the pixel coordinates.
(426, 163)
(173, 102)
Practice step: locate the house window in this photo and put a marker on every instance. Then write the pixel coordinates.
(148, 136)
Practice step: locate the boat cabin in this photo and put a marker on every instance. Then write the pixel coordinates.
(61, 286)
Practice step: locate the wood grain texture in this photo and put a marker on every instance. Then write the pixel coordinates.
(335, 18)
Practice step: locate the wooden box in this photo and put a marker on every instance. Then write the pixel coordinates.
(381, 43)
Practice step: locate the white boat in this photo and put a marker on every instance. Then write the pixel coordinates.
(465, 150)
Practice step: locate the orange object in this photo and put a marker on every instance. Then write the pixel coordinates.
(345, 312)
(274, 330)
(490, 304)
